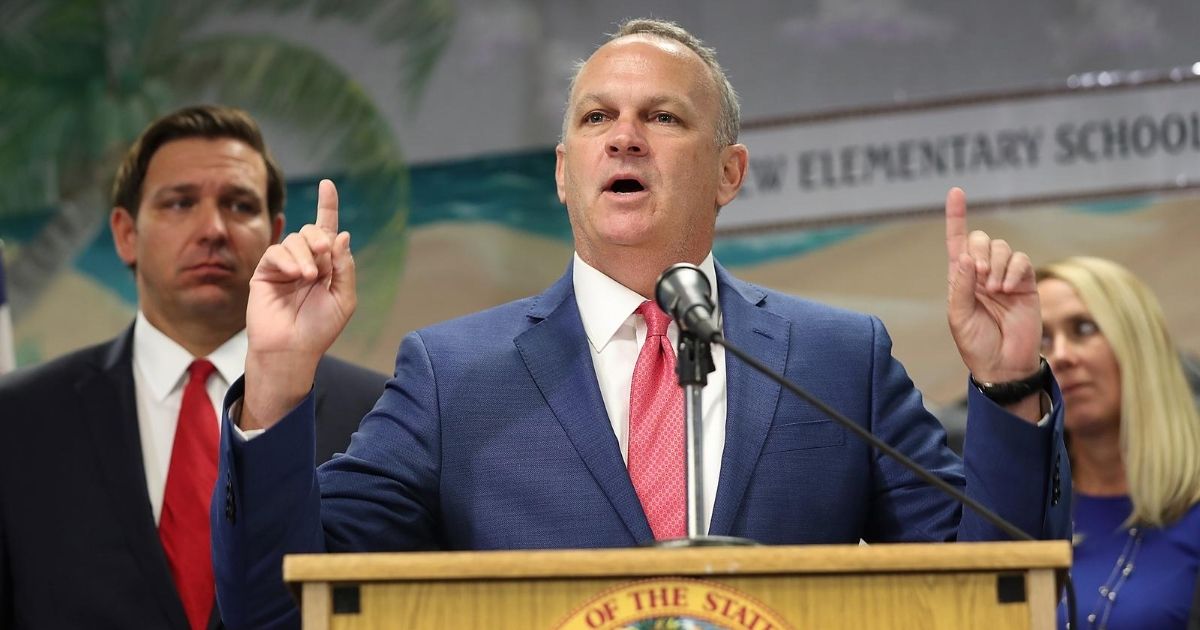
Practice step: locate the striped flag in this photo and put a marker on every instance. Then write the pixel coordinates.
(8, 358)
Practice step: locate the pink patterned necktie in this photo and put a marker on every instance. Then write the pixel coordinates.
(657, 435)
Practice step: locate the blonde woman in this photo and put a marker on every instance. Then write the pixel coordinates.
(1133, 435)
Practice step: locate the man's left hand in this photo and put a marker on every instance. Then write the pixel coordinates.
(992, 303)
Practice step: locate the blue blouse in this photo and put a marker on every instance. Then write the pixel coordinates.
(1157, 592)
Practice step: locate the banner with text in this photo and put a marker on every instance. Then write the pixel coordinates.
(1003, 150)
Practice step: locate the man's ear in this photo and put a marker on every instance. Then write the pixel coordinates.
(734, 159)
(560, 164)
(124, 233)
(277, 224)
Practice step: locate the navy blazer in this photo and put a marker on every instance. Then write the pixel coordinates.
(78, 544)
(493, 435)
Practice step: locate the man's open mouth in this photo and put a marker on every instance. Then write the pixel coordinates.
(626, 185)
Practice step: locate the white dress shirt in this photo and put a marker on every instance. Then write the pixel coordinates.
(159, 377)
(615, 335)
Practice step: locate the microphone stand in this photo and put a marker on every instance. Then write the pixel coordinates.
(995, 519)
(693, 363)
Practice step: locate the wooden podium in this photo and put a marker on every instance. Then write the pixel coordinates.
(950, 585)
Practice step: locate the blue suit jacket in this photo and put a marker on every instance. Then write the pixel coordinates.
(493, 435)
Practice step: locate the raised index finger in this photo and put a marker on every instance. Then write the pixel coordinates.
(327, 207)
(956, 223)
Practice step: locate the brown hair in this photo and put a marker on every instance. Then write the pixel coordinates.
(201, 121)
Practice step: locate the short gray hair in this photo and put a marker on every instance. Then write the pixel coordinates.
(730, 122)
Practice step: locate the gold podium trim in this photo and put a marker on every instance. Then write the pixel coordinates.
(905, 557)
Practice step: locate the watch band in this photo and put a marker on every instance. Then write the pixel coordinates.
(1009, 392)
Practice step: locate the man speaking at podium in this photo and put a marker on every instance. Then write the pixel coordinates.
(556, 421)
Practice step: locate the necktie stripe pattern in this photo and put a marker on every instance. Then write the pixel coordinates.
(183, 526)
(657, 434)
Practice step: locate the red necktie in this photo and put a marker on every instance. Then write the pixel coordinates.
(657, 436)
(183, 527)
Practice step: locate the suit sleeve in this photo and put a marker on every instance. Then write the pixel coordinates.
(266, 504)
(1017, 469)
(1009, 465)
(381, 495)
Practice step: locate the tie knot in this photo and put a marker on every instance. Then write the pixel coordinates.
(656, 320)
(200, 370)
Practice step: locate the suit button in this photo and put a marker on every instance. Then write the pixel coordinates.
(230, 507)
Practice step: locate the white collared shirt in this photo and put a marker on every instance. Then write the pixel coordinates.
(159, 377)
(615, 335)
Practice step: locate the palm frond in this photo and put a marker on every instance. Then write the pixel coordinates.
(422, 28)
(294, 85)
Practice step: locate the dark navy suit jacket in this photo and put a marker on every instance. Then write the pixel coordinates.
(78, 544)
(493, 435)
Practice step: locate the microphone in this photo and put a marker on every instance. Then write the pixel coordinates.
(684, 293)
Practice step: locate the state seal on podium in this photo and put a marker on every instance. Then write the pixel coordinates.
(673, 604)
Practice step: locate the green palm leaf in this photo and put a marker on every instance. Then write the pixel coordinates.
(81, 78)
(421, 28)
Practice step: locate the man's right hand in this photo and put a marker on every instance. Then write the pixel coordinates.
(301, 296)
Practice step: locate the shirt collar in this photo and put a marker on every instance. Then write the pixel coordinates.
(605, 304)
(164, 362)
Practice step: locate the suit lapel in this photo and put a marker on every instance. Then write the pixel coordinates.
(751, 398)
(110, 411)
(556, 354)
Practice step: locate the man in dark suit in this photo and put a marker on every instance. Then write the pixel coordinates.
(96, 468)
(556, 421)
